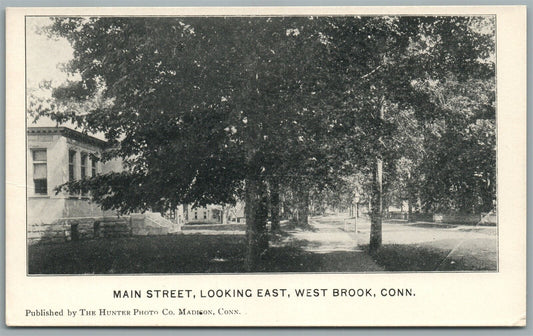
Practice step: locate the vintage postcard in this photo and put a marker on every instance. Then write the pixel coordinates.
(276, 166)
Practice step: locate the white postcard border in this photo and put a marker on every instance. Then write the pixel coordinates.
(442, 299)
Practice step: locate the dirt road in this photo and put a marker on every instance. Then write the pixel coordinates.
(447, 247)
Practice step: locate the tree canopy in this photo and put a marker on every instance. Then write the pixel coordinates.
(210, 109)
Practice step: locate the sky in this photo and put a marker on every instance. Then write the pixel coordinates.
(44, 58)
(44, 55)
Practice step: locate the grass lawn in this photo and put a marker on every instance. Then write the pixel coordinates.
(324, 249)
(427, 257)
(149, 254)
(192, 253)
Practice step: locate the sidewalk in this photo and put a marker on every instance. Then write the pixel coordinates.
(336, 249)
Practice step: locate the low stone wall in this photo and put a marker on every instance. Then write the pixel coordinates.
(72, 229)
(421, 217)
(451, 218)
(396, 215)
(457, 218)
(53, 232)
(111, 227)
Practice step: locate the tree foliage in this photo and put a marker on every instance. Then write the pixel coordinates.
(208, 110)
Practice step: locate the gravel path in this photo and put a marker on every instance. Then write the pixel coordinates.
(340, 249)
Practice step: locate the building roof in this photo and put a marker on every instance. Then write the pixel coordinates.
(69, 133)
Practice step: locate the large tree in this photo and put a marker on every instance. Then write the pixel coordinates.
(201, 110)
(206, 110)
(390, 67)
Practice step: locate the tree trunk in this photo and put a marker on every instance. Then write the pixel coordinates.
(303, 210)
(301, 205)
(409, 209)
(274, 207)
(296, 215)
(377, 207)
(185, 213)
(256, 210)
(377, 193)
(286, 209)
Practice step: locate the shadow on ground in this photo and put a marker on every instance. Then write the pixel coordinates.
(296, 256)
(324, 247)
(184, 254)
(426, 257)
(148, 254)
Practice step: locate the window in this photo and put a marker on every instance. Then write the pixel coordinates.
(72, 169)
(40, 182)
(71, 165)
(205, 215)
(93, 167)
(195, 215)
(83, 165)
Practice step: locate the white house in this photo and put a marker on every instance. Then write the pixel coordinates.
(56, 155)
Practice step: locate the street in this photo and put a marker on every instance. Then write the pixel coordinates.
(450, 247)
(327, 246)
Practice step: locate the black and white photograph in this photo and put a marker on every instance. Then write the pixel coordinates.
(266, 166)
(230, 144)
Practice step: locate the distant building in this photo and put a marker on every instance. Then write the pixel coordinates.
(236, 213)
(209, 214)
(213, 214)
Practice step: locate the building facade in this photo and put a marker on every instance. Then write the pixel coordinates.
(213, 214)
(56, 155)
